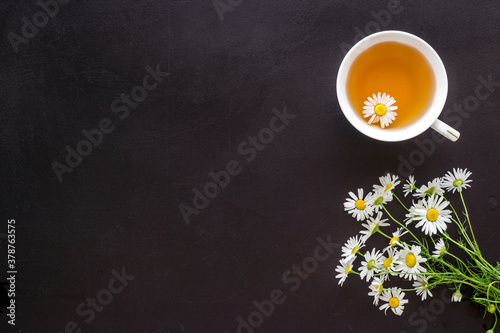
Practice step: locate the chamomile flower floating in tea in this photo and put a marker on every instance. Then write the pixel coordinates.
(380, 109)
(420, 250)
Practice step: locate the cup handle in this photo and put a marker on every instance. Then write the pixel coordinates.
(445, 130)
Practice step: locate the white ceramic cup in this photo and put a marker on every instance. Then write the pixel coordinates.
(428, 118)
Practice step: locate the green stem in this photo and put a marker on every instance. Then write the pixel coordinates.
(485, 299)
(414, 289)
(459, 274)
(459, 225)
(394, 194)
(489, 287)
(378, 230)
(458, 259)
(402, 225)
(468, 220)
(470, 252)
(475, 248)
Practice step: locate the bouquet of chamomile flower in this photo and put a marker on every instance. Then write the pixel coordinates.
(419, 248)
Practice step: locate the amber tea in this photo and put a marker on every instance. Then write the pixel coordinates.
(398, 70)
(392, 86)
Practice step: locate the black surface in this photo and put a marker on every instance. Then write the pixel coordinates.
(120, 207)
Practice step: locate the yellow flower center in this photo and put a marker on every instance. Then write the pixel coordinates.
(393, 302)
(355, 249)
(410, 260)
(380, 109)
(424, 284)
(432, 215)
(379, 288)
(347, 269)
(360, 204)
(388, 187)
(393, 240)
(458, 182)
(387, 263)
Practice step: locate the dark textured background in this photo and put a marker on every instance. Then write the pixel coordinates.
(119, 208)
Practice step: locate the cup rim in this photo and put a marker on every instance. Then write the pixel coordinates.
(436, 105)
